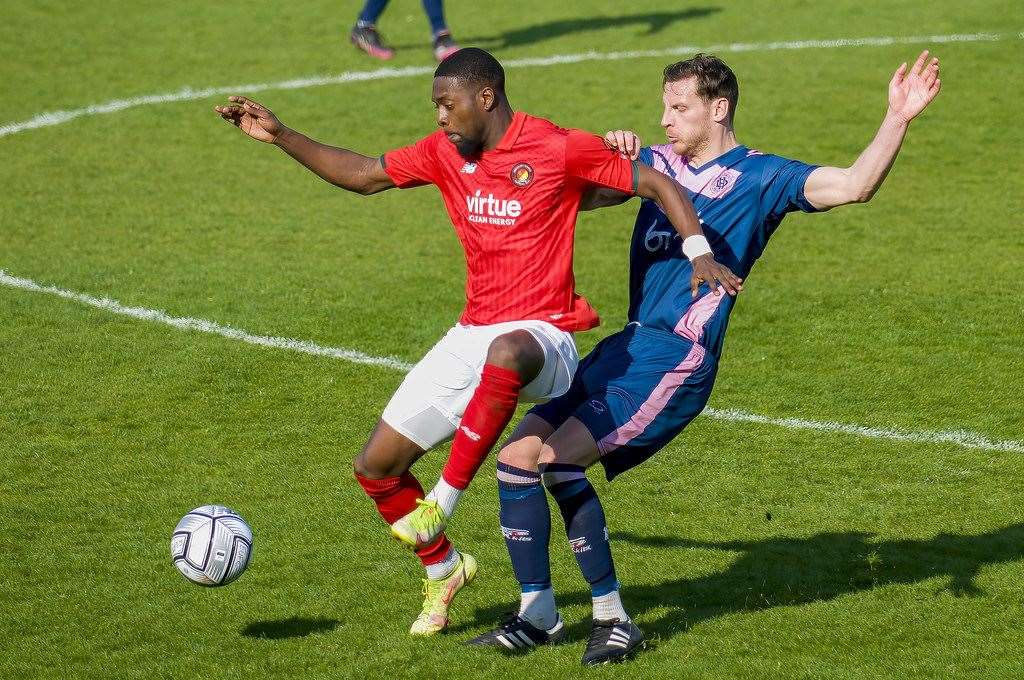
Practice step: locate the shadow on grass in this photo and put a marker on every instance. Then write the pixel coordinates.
(655, 22)
(294, 627)
(783, 571)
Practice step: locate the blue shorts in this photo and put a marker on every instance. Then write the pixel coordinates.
(635, 392)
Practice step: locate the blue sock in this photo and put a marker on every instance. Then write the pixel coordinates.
(371, 12)
(435, 13)
(584, 524)
(526, 524)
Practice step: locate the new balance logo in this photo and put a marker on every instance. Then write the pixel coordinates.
(468, 169)
(521, 535)
(469, 433)
(579, 545)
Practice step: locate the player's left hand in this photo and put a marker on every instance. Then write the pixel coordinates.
(625, 142)
(911, 91)
(717, 276)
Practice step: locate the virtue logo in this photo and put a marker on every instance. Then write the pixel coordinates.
(490, 210)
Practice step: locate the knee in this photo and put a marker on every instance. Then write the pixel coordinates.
(563, 480)
(547, 456)
(375, 466)
(361, 466)
(504, 351)
(570, 445)
(517, 351)
(520, 455)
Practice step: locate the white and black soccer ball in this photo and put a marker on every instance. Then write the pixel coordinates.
(211, 545)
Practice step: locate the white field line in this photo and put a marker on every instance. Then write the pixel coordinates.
(969, 440)
(203, 326)
(50, 118)
(964, 438)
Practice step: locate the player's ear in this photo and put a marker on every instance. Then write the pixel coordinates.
(720, 110)
(487, 98)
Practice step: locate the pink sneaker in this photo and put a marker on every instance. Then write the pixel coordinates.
(368, 40)
(444, 45)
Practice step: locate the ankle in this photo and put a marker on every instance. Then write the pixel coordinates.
(446, 496)
(445, 568)
(538, 608)
(608, 607)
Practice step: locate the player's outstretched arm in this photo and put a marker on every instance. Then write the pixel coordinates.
(677, 206)
(910, 92)
(341, 167)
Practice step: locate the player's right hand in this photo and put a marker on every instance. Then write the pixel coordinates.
(624, 141)
(708, 270)
(252, 118)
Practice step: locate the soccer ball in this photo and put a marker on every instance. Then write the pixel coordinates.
(211, 545)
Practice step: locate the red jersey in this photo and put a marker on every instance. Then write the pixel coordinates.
(514, 209)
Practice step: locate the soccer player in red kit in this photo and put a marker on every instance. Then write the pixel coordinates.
(512, 185)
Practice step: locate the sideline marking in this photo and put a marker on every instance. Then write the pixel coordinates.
(964, 438)
(51, 118)
(203, 326)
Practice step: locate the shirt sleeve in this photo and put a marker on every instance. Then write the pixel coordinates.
(412, 166)
(587, 158)
(646, 157)
(782, 186)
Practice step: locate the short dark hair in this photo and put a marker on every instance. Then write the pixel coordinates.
(714, 78)
(473, 65)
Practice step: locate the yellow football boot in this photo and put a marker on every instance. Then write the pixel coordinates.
(438, 595)
(421, 526)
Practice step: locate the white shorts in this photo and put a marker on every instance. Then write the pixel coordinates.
(429, 404)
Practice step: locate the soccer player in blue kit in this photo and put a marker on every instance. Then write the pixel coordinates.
(640, 387)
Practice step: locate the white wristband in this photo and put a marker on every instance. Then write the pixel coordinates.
(695, 246)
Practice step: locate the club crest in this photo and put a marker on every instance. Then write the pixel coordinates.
(522, 174)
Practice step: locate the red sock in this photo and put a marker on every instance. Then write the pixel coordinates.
(486, 416)
(395, 497)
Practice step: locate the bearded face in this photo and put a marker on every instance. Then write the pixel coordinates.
(687, 118)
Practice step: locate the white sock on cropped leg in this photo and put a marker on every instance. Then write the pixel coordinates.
(446, 496)
(609, 607)
(538, 607)
(445, 567)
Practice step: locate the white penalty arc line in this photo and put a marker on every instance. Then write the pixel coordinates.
(963, 438)
(52, 118)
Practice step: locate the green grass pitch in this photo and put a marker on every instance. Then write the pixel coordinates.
(746, 550)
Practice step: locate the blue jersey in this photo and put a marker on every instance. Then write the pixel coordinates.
(740, 197)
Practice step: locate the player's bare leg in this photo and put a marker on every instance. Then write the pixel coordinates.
(387, 453)
(513, 360)
(382, 469)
